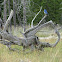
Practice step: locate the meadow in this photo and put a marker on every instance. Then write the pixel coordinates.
(48, 55)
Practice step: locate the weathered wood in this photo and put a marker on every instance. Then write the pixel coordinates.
(14, 15)
(24, 15)
(29, 36)
(9, 13)
(35, 29)
(5, 10)
(8, 21)
(26, 42)
(35, 17)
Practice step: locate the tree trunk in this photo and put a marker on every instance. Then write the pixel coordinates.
(14, 15)
(18, 12)
(5, 10)
(9, 13)
(24, 15)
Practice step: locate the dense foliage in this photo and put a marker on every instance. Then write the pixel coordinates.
(53, 7)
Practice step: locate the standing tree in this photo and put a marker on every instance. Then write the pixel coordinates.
(9, 13)
(24, 14)
(14, 15)
(5, 10)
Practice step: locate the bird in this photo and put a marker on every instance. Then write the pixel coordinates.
(45, 11)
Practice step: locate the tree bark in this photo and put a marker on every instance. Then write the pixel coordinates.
(24, 15)
(9, 13)
(29, 36)
(5, 10)
(14, 15)
(8, 21)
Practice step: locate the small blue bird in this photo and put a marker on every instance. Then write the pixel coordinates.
(45, 11)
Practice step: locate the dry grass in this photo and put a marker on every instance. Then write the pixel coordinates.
(48, 55)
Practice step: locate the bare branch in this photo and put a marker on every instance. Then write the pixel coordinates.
(42, 19)
(8, 21)
(35, 17)
(56, 31)
(35, 29)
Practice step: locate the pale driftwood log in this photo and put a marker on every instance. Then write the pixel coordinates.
(29, 36)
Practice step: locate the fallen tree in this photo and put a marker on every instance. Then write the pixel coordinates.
(30, 39)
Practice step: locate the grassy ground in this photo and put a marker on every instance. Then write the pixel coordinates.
(48, 55)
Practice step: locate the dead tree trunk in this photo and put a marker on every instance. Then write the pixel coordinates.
(18, 12)
(5, 10)
(24, 15)
(14, 15)
(9, 13)
(1, 26)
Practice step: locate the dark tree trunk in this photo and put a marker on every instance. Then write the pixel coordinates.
(24, 14)
(9, 13)
(14, 15)
(5, 10)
